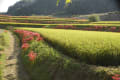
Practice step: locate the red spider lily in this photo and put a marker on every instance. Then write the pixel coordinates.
(32, 56)
(27, 39)
(112, 28)
(5, 31)
(25, 46)
(116, 77)
(39, 38)
(96, 27)
(28, 36)
(36, 35)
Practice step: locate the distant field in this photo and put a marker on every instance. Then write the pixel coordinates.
(102, 48)
(43, 19)
(107, 22)
(57, 19)
(52, 22)
(41, 25)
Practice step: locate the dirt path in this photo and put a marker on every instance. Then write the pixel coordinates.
(13, 68)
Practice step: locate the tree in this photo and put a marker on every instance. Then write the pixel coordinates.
(66, 2)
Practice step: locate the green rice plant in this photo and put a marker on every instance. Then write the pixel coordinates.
(58, 19)
(52, 64)
(100, 48)
(41, 25)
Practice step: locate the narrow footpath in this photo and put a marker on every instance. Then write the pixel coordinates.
(14, 69)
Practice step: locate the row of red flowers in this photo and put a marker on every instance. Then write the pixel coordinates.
(116, 77)
(27, 37)
(92, 28)
(102, 28)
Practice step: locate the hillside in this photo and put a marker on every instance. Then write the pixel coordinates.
(49, 7)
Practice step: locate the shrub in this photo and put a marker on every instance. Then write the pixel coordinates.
(94, 18)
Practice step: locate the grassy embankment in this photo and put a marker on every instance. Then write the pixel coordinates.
(99, 48)
(4, 43)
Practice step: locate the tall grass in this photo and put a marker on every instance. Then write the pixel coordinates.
(2, 60)
(4, 43)
(4, 40)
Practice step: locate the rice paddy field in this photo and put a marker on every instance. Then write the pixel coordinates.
(40, 21)
(100, 48)
(67, 48)
(107, 22)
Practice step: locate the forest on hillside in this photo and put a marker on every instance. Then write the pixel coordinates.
(48, 7)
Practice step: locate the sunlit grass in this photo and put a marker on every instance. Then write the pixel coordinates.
(41, 25)
(4, 43)
(107, 22)
(102, 48)
(51, 63)
(4, 40)
(2, 59)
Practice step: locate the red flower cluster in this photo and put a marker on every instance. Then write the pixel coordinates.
(112, 29)
(28, 36)
(116, 77)
(25, 46)
(32, 56)
(95, 28)
(101, 28)
(5, 31)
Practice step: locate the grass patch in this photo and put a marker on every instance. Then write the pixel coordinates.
(4, 43)
(2, 60)
(4, 40)
(1, 48)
